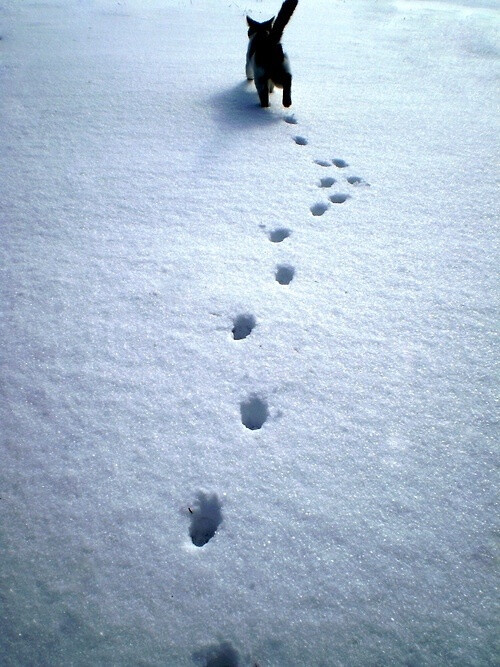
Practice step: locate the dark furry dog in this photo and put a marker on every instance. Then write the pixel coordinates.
(266, 61)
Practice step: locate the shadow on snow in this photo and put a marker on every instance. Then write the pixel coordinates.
(238, 108)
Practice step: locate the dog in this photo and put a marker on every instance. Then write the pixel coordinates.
(266, 63)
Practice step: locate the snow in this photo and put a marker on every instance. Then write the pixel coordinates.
(248, 361)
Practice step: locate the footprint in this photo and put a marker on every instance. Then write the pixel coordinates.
(341, 164)
(301, 141)
(319, 208)
(279, 235)
(357, 180)
(254, 412)
(339, 198)
(323, 163)
(284, 274)
(327, 182)
(291, 120)
(206, 517)
(243, 326)
(217, 655)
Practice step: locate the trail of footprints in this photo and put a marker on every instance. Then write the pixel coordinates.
(320, 208)
(206, 511)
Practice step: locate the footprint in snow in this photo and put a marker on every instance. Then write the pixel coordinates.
(339, 198)
(254, 412)
(357, 180)
(291, 120)
(341, 164)
(300, 141)
(243, 326)
(206, 517)
(279, 235)
(327, 182)
(319, 208)
(284, 274)
(323, 163)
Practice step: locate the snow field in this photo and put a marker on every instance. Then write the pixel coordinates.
(248, 356)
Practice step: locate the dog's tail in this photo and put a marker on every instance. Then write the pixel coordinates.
(284, 15)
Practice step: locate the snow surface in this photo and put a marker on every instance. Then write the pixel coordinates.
(176, 263)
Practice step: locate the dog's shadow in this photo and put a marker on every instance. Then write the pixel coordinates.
(237, 108)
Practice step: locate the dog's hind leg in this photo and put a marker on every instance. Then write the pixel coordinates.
(249, 70)
(287, 90)
(249, 63)
(262, 85)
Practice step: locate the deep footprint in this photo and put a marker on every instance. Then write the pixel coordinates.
(206, 517)
(291, 120)
(301, 141)
(243, 326)
(339, 198)
(284, 274)
(341, 164)
(327, 182)
(323, 163)
(279, 235)
(254, 413)
(319, 208)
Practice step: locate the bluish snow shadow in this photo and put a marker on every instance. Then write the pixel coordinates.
(237, 108)
(217, 655)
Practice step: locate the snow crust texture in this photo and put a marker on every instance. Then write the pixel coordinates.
(248, 355)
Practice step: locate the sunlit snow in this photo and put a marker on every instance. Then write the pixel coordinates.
(248, 365)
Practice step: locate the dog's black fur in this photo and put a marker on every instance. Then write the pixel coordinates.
(266, 61)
